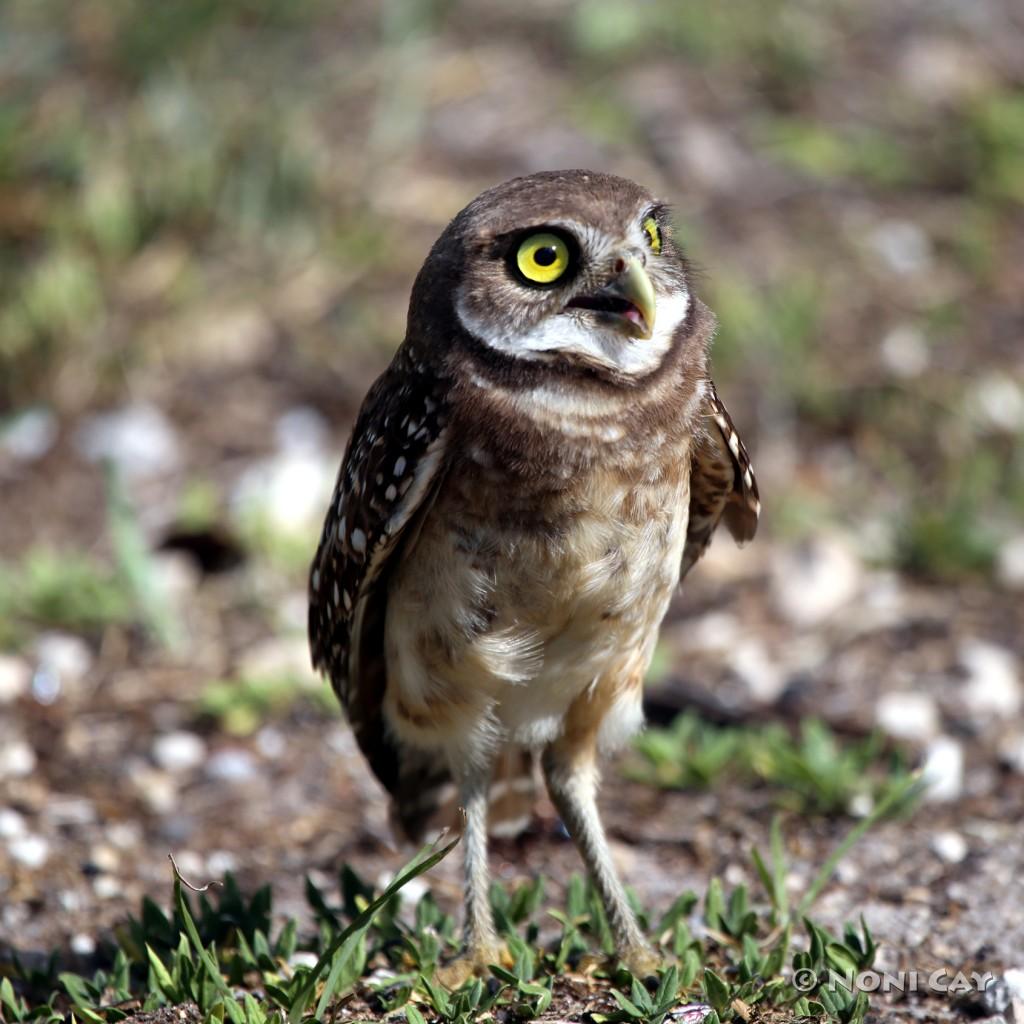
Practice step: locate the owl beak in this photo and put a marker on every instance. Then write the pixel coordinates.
(628, 298)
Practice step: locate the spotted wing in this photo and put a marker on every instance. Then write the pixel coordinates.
(722, 483)
(392, 467)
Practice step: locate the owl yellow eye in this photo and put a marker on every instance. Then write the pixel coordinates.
(542, 258)
(653, 233)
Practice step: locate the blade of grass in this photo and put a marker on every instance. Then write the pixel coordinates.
(136, 565)
(423, 861)
(779, 868)
(231, 1007)
(912, 785)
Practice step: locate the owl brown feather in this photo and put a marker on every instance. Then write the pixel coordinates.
(392, 465)
(722, 483)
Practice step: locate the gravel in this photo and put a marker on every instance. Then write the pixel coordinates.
(908, 716)
(943, 770)
(179, 752)
(140, 439)
(15, 678)
(993, 686)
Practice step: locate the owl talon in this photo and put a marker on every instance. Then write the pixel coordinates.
(641, 961)
(476, 964)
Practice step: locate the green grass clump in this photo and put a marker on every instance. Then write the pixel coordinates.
(811, 773)
(68, 589)
(242, 705)
(63, 589)
(370, 957)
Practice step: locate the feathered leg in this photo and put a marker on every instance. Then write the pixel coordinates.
(482, 946)
(570, 770)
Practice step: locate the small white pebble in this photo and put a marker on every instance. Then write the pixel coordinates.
(301, 429)
(943, 770)
(64, 811)
(17, 759)
(139, 438)
(106, 887)
(815, 580)
(157, 789)
(904, 351)
(179, 752)
(220, 862)
(860, 805)
(907, 716)
(1010, 564)
(232, 765)
(124, 834)
(83, 944)
(12, 824)
(105, 857)
(67, 656)
(993, 685)
(15, 676)
(847, 873)
(997, 402)
(949, 846)
(271, 742)
(31, 850)
(902, 245)
(1014, 978)
(70, 901)
(29, 435)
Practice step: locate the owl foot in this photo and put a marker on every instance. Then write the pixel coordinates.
(475, 964)
(641, 961)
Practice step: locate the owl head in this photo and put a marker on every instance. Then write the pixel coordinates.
(561, 267)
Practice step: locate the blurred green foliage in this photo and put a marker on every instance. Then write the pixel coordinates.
(60, 589)
(242, 705)
(814, 772)
(160, 162)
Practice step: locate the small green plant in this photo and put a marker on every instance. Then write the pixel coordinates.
(242, 705)
(812, 772)
(729, 956)
(66, 589)
(75, 591)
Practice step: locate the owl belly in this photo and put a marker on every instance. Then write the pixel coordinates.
(493, 631)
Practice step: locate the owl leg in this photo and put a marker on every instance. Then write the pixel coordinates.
(570, 770)
(482, 946)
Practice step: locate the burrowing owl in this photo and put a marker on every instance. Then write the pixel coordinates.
(525, 486)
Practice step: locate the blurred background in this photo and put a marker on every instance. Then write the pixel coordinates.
(211, 213)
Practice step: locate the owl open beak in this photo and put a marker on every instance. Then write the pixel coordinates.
(627, 299)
